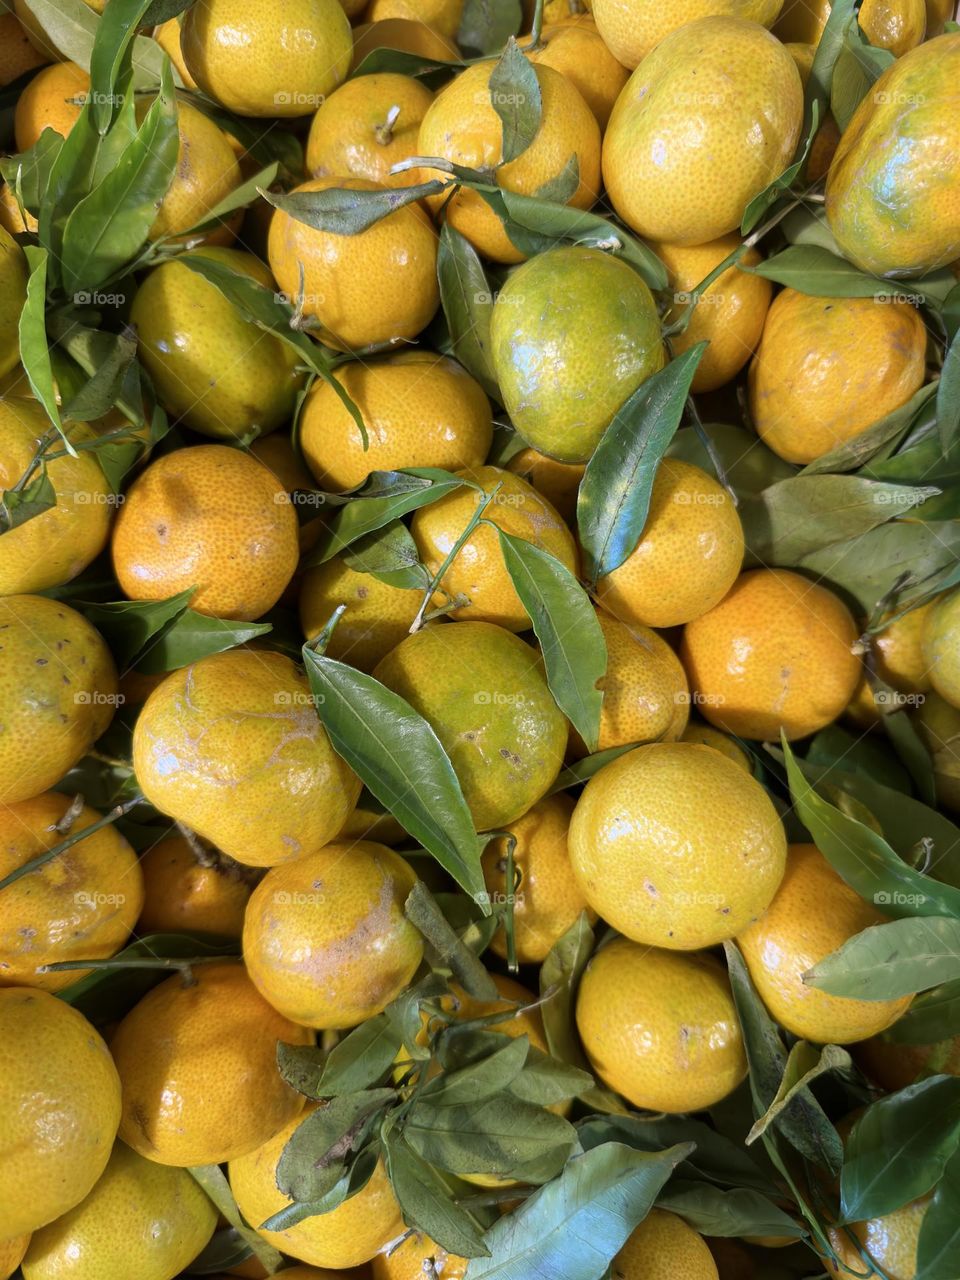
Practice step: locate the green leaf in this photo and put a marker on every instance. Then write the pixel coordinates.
(400, 492)
(353, 1180)
(737, 1212)
(797, 517)
(615, 491)
(449, 949)
(193, 636)
(28, 173)
(933, 1016)
(811, 269)
(346, 212)
(359, 1060)
(214, 1182)
(238, 198)
(34, 348)
(564, 222)
(467, 302)
(546, 1081)
(129, 625)
(390, 555)
(115, 33)
(899, 1147)
(314, 1158)
(938, 1244)
(482, 1079)
(17, 506)
(565, 623)
(560, 974)
(886, 433)
(399, 757)
(117, 352)
(427, 1203)
(863, 859)
(486, 25)
(802, 1121)
(563, 187)
(858, 65)
(948, 396)
(574, 1226)
(497, 1135)
(805, 1063)
(887, 961)
(516, 98)
(72, 27)
(108, 227)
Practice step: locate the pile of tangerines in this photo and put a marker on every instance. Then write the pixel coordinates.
(479, 639)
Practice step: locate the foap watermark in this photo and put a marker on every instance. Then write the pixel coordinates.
(683, 898)
(712, 299)
(896, 700)
(496, 698)
(97, 498)
(297, 698)
(294, 98)
(96, 298)
(498, 499)
(896, 898)
(895, 98)
(497, 898)
(900, 299)
(94, 898)
(484, 298)
(684, 498)
(500, 98)
(694, 698)
(300, 498)
(693, 99)
(95, 698)
(295, 898)
(300, 299)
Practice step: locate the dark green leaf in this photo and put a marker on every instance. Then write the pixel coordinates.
(804, 1064)
(615, 491)
(427, 1203)
(887, 961)
(573, 775)
(761, 202)
(565, 623)
(933, 1016)
(498, 1135)
(863, 859)
(450, 952)
(546, 1081)
(572, 1228)
(486, 25)
(948, 396)
(347, 212)
(359, 1060)
(28, 173)
(737, 1212)
(814, 270)
(899, 1147)
(390, 555)
(352, 1181)
(825, 59)
(214, 1182)
(467, 303)
(797, 517)
(99, 394)
(314, 1158)
(482, 1079)
(245, 194)
(938, 1244)
(115, 32)
(406, 491)
(563, 187)
(128, 625)
(858, 65)
(802, 1122)
(193, 636)
(34, 349)
(748, 466)
(399, 757)
(560, 974)
(108, 227)
(17, 506)
(516, 98)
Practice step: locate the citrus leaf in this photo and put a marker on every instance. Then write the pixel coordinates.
(863, 859)
(899, 1146)
(28, 173)
(17, 506)
(192, 636)
(467, 303)
(615, 491)
(781, 185)
(574, 1226)
(857, 66)
(482, 1079)
(399, 757)
(499, 1135)
(547, 1081)
(825, 59)
(314, 1158)
(736, 1212)
(389, 555)
(72, 26)
(345, 212)
(887, 961)
(808, 268)
(565, 623)
(402, 492)
(359, 1060)
(108, 227)
(938, 1243)
(115, 32)
(802, 1121)
(433, 71)
(933, 1016)
(564, 222)
(948, 396)
(34, 348)
(238, 198)
(214, 1182)
(516, 98)
(487, 25)
(426, 1202)
(804, 1064)
(559, 975)
(795, 518)
(353, 1180)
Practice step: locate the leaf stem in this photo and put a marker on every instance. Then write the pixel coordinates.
(454, 551)
(41, 859)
